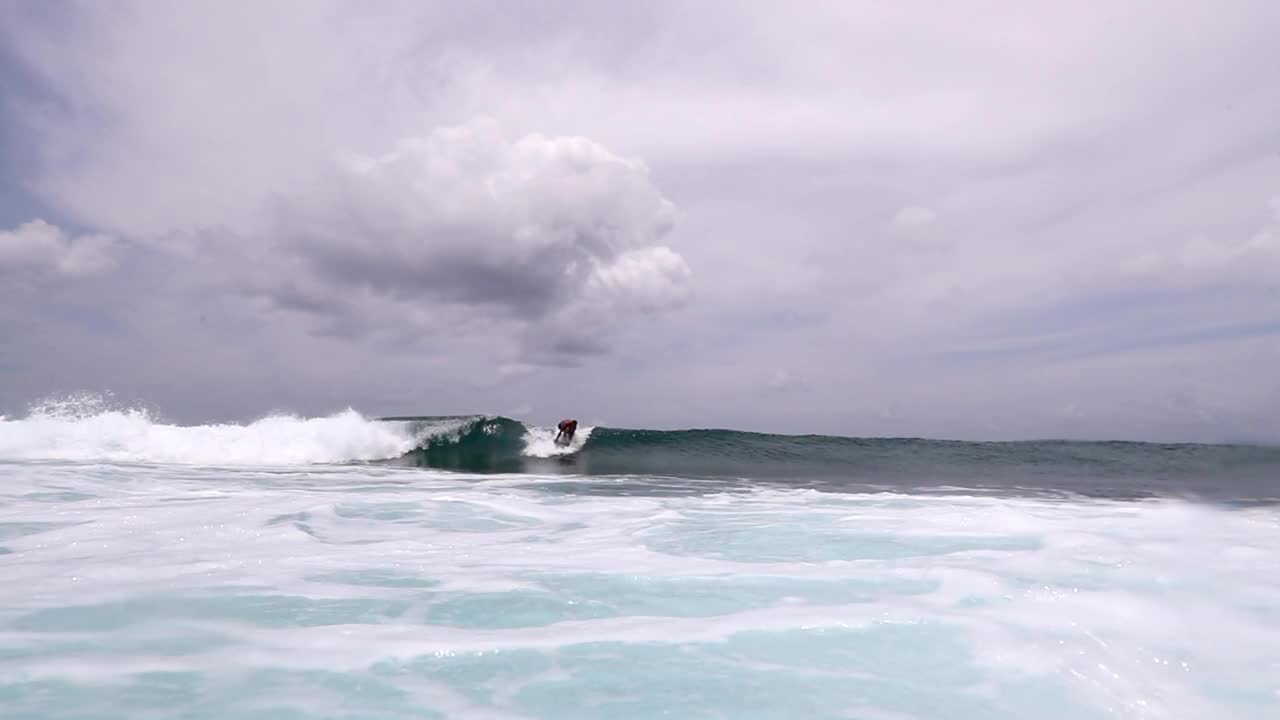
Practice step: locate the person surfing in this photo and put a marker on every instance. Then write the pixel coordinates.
(567, 428)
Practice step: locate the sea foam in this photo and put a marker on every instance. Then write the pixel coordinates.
(90, 429)
(540, 442)
(388, 592)
(132, 435)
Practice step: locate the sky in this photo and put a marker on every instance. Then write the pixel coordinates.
(970, 220)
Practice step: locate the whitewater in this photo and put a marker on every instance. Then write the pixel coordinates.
(435, 567)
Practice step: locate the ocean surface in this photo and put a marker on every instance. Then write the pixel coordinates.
(358, 567)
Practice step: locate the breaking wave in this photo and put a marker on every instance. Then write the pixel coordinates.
(90, 428)
(76, 432)
(1117, 470)
(89, 431)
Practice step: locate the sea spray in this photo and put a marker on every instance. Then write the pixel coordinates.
(133, 436)
(540, 442)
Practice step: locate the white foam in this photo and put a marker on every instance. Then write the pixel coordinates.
(60, 433)
(1145, 610)
(540, 442)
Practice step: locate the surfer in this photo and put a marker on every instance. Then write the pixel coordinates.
(567, 428)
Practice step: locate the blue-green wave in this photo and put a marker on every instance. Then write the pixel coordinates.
(1105, 469)
(476, 444)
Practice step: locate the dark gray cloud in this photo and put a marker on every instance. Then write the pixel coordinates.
(556, 236)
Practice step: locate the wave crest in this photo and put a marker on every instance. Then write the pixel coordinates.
(484, 443)
(91, 429)
(95, 430)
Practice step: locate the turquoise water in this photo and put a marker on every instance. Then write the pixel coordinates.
(138, 584)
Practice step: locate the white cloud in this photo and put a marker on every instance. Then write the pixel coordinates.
(651, 278)
(41, 248)
(914, 217)
(508, 371)
(784, 380)
(1212, 260)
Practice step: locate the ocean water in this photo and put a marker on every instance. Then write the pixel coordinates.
(351, 567)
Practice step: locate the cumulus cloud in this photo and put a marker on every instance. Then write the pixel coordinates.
(38, 248)
(331, 188)
(557, 235)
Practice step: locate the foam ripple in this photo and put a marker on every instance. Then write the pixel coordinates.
(223, 593)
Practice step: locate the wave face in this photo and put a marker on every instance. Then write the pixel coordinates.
(1103, 469)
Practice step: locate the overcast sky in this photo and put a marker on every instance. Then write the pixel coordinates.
(975, 219)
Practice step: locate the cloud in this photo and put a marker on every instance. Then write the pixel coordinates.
(784, 380)
(515, 370)
(1245, 260)
(40, 249)
(914, 217)
(555, 235)
(932, 219)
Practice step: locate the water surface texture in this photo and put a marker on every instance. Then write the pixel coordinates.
(337, 574)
